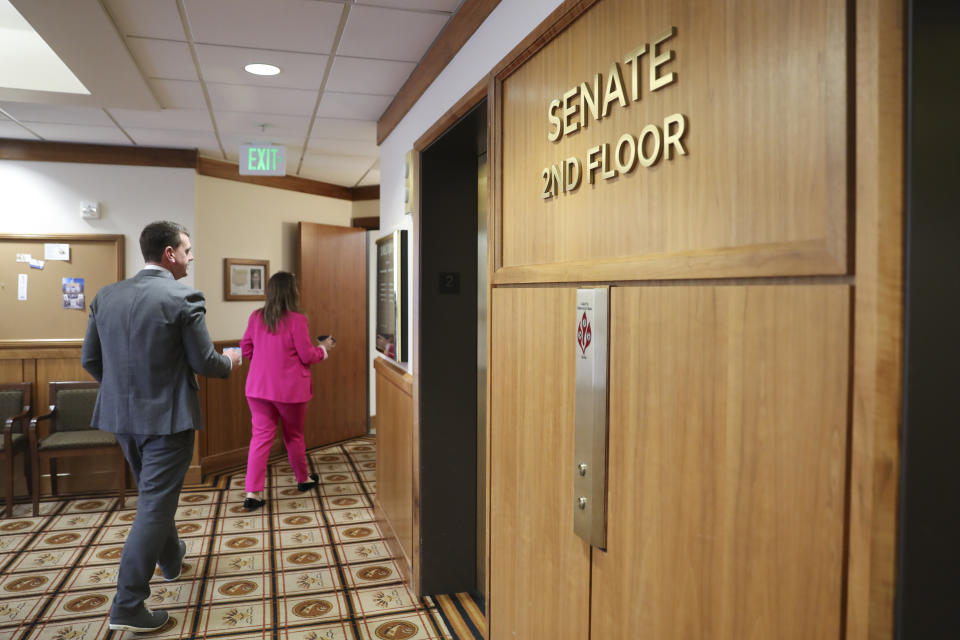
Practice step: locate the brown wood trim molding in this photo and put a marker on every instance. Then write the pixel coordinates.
(42, 151)
(394, 374)
(234, 460)
(229, 171)
(370, 223)
(463, 106)
(44, 343)
(371, 192)
(461, 26)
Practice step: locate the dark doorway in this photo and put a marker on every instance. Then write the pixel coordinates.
(928, 554)
(450, 339)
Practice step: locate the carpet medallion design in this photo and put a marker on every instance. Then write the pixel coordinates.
(307, 566)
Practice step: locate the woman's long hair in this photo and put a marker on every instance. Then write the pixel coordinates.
(282, 296)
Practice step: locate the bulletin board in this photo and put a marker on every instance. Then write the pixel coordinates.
(53, 309)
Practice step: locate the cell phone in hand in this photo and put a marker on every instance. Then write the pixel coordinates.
(322, 338)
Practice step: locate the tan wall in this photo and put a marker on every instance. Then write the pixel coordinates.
(366, 208)
(239, 220)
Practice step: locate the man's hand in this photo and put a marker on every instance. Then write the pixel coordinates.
(234, 354)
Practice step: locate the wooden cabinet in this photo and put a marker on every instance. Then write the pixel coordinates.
(397, 487)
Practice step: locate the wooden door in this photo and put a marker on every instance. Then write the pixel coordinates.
(727, 464)
(539, 570)
(332, 273)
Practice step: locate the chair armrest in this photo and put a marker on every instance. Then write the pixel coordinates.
(33, 423)
(20, 417)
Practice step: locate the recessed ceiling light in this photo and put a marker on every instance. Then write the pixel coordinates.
(259, 69)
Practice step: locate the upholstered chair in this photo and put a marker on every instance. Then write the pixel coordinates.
(14, 414)
(70, 434)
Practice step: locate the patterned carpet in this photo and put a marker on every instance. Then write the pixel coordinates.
(308, 566)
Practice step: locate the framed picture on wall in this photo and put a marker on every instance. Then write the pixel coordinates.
(245, 279)
(392, 295)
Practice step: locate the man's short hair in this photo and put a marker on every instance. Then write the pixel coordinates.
(157, 236)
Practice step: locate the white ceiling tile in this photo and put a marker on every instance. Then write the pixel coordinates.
(352, 105)
(264, 126)
(172, 138)
(10, 129)
(232, 141)
(372, 178)
(286, 25)
(147, 18)
(52, 113)
(210, 151)
(432, 5)
(178, 94)
(167, 59)
(80, 133)
(225, 64)
(365, 75)
(342, 129)
(343, 147)
(389, 34)
(232, 97)
(342, 170)
(176, 119)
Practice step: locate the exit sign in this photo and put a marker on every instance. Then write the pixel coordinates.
(262, 160)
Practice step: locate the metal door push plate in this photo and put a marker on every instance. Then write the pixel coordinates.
(590, 445)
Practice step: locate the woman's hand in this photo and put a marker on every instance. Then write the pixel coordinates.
(328, 343)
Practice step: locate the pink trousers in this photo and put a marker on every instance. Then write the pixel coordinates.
(264, 417)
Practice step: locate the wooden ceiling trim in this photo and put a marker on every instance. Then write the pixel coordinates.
(43, 151)
(371, 192)
(229, 171)
(461, 26)
(370, 223)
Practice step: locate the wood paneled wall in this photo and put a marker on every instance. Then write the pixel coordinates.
(222, 445)
(225, 439)
(41, 364)
(761, 188)
(398, 485)
(756, 316)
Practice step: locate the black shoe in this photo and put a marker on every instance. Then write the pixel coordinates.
(142, 622)
(252, 504)
(170, 576)
(306, 486)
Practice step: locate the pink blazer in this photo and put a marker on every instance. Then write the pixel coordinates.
(280, 362)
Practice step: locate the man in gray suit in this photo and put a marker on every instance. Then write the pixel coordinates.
(146, 341)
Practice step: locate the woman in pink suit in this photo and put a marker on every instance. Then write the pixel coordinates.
(277, 342)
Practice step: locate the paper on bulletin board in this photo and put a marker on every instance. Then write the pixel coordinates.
(52, 251)
(73, 293)
(21, 286)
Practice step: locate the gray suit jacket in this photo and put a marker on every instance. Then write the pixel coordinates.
(146, 338)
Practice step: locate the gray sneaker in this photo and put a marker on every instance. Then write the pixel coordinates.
(142, 622)
(183, 552)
